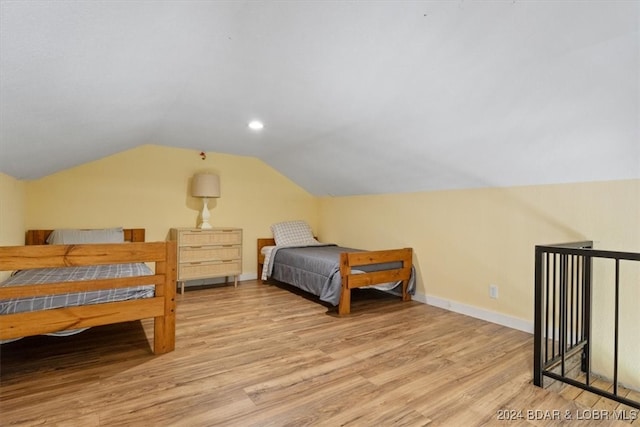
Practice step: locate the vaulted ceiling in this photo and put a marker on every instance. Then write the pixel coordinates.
(357, 97)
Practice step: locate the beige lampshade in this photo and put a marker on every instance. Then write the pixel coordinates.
(205, 185)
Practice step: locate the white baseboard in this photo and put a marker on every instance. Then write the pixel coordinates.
(478, 313)
(248, 276)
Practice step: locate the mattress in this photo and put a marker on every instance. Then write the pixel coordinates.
(38, 276)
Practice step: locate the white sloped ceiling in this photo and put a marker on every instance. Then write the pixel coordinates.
(356, 97)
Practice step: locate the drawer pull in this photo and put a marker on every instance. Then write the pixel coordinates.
(195, 247)
(227, 260)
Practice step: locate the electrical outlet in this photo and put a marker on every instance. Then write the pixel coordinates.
(493, 291)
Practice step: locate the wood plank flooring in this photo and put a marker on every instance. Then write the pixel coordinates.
(261, 355)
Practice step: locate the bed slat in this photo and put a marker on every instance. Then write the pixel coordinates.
(378, 257)
(377, 277)
(20, 291)
(46, 321)
(25, 257)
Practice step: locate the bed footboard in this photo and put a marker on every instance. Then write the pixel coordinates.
(351, 260)
(161, 307)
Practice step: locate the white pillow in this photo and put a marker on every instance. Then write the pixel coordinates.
(293, 233)
(74, 236)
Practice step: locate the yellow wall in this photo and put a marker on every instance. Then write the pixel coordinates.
(148, 187)
(466, 240)
(12, 210)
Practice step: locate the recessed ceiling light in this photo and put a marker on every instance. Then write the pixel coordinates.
(256, 125)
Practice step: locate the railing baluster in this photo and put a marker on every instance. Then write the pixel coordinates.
(587, 319)
(546, 323)
(572, 303)
(539, 335)
(563, 314)
(578, 334)
(575, 304)
(564, 285)
(615, 337)
(554, 308)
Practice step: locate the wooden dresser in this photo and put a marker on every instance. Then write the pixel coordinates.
(208, 253)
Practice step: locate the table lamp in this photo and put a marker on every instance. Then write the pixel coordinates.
(205, 185)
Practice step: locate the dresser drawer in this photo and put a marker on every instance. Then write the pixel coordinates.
(208, 269)
(221, 237)
(210, 253)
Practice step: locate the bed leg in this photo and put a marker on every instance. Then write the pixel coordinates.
(406, 296)
(345, 302)
(344, 307)
(164, 327)
(164, 335)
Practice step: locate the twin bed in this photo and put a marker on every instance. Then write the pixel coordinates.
(65, 288)
(330, 272)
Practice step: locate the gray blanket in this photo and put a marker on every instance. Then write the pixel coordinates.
(316, 269)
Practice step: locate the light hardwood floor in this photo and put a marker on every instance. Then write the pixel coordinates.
(260, 355)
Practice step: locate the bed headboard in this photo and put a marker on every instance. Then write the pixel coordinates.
(39, 237)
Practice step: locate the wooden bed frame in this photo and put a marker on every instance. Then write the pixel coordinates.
(39, 255)
(350, 260)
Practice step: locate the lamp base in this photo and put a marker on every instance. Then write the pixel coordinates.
(205, 215)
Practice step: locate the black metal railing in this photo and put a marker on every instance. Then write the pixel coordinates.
(563, 315)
